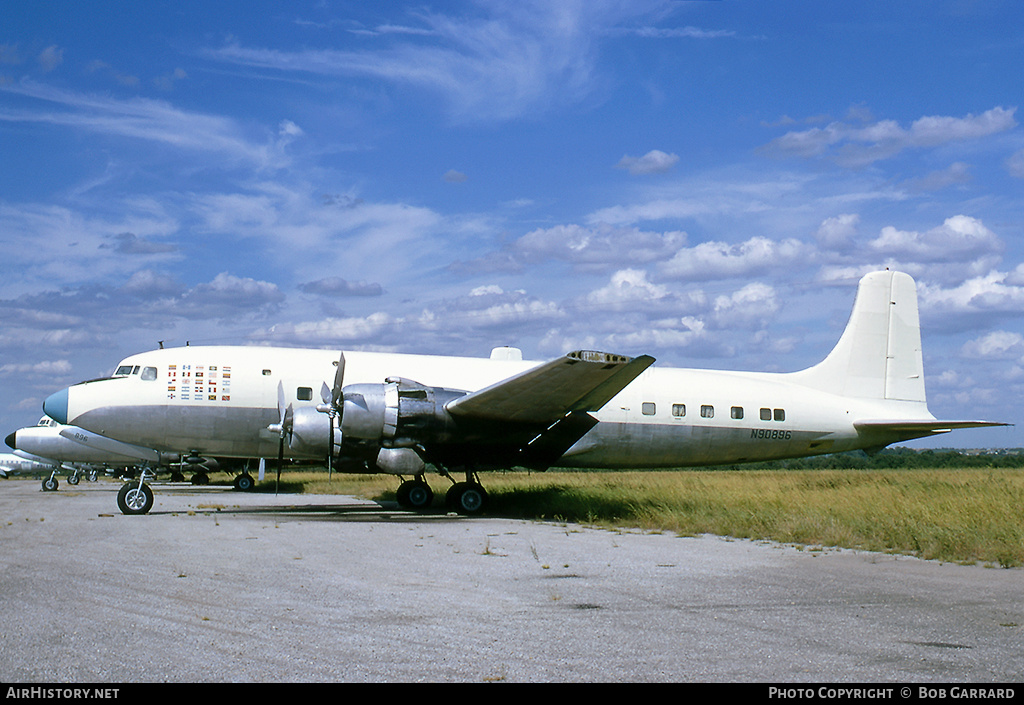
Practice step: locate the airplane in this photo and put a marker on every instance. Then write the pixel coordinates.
(400, 413)
(72, 448)
(11, 464)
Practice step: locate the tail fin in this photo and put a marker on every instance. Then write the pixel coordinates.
(879, 353)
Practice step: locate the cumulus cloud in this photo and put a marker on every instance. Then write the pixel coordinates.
(50, 58)
(336, 286)
(598, 247)
(132, 244)
(711, 260)
(838, 232)
(752, 306)
(997, 345)
(972, 303)
(44, 368)
(860, 145)
(654, 162)
(958, 238)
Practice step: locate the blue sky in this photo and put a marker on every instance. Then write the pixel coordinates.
(700, 181)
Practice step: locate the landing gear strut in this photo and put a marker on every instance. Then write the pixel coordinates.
(51, 484)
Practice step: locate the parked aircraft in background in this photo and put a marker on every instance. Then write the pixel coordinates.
(401, 414)
(81, 452)
(12, 464)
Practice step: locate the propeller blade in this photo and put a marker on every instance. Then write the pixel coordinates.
(337, 402)
(339, 380)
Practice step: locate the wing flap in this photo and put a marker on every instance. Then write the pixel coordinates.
(581, 381)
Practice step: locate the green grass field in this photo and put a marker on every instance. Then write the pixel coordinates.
(958, 515)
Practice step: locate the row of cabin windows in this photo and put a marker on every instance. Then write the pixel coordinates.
(707, 411)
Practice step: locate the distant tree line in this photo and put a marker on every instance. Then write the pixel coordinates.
(897, 458)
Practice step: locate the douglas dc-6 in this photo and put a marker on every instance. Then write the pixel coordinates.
(403, 414)
(53, 447)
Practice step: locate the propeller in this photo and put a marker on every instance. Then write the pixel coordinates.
(334, 407)
(283, 429)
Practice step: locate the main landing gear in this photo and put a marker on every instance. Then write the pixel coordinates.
(467, 497)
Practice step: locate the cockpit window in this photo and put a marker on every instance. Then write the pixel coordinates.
(123, 371)
(149, 373)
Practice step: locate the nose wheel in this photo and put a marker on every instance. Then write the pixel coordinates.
(135, 497)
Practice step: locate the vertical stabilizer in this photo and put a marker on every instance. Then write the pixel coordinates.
(879, 353)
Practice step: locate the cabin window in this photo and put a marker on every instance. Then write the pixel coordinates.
(707, 411)
(149, 373)
(780, 414)
(266, 373)
(304, 393)
(648, 408)
(766, 414)
(679, 409)
(736, 412)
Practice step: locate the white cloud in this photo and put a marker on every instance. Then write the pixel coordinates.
(627, 286)
(711, 260)
(991, 293)
(997, 345)
(838, 232)
(752, 306)
(958, 238)
(858, 146)
(597, 247)
(140, 118)
(654, 162)
(51, 57)
(1015, 164)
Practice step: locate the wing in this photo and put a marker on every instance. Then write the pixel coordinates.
(580, 381)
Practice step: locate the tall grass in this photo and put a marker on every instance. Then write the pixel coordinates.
(964, 516)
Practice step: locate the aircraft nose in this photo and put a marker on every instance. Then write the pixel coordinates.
(56, 406)
(12, 441)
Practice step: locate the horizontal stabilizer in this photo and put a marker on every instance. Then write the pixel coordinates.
(920, 428)
(579, 381)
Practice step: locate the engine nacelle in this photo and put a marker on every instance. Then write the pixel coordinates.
(399, 413)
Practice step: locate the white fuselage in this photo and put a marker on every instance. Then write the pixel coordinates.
(220, 401)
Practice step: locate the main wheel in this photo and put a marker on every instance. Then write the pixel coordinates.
(73, 478)
(134, 499)
(244, 482)
(414, 494)
(50, 484)
(466, 498)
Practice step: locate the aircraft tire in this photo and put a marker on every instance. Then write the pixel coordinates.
(50, 484)
(466, 498)
(244, 483)
(73, 479)
(133, 499)
(415, 494)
